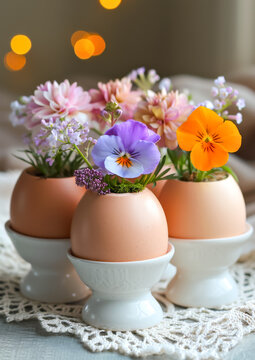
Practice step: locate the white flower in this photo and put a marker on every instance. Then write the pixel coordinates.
(208, 104)
(220, 81)
(18, 113)
(165, 83)
(239, 118)
(223, 93)
(214, 91)
(217, 104)
(240, 104)
(153, 77)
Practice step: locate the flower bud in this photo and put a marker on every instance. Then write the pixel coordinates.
(106, 116)
(111, 106)
(118, 113)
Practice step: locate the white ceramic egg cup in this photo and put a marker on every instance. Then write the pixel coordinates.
(52, 278)
(121, 297)
(203, 278)
(249, 246)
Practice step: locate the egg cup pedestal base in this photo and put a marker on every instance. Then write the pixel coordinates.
(203, 278)
(121, 297)
(52, 278)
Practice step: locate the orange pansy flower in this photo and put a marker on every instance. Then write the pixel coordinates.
(209, 138)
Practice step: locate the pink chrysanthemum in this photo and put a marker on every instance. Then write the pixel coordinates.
(53, 100)
(164, 112)
(119, 91)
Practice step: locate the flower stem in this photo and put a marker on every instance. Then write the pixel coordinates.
(83, 157)
(189, 163)
(201, 175)
(98, 132)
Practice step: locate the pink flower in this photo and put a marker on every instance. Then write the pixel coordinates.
(164, 112)
(119, 91)
(53, 101)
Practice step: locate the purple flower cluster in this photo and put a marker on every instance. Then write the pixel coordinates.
(223, 97)
(142, 80)
(19, 109)
(60, 135)
(92, 179)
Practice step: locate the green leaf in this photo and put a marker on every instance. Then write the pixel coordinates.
(162, 174)
(230, 171)
(22, 159)
(173, 157)
(170, 177)
(160, 165)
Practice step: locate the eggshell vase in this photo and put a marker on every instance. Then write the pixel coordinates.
(43, 207)
(203, 278)
(207, 225)
(203, 210)
(121, 299)
(52, 278)
(119, 227)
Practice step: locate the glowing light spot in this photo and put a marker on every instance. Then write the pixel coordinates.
(110, 4)
(14, 62)
(20, 44)
(99, 44)
(84, 49)
(78, 35)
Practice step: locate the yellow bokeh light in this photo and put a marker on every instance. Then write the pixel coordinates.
(14, 62)
(20, 44)
(84, 48)
(110, 4)
(78, 35)
(99, 44)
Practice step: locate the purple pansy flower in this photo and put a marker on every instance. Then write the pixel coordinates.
(127, 149)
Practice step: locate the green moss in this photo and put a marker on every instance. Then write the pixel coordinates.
(122, 188)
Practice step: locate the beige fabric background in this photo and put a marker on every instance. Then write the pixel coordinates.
(243, 163)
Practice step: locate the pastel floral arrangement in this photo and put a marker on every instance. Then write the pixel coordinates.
(126, 151)
(65, 105)
(138, 119)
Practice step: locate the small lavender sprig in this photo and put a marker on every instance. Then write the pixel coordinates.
(223, 97)
(92, 179)
(58, 135)
(18, 115)
(144, 81)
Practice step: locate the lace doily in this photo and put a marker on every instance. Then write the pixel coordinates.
(186, 333)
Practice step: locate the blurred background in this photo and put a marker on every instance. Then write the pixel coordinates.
(197, 37)
(192, 41)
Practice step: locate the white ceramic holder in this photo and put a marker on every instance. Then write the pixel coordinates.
(203, 278)
(249, 246)
(52, 278)
(121, 297)
(169, 273)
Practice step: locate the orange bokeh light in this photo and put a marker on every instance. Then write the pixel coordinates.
(99, 44)
(110, 4)
(78, 35)
(20, 44)
(84, 48)
(14, 62)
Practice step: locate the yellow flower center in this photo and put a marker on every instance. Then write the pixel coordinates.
(124, 160)
(207, 139)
